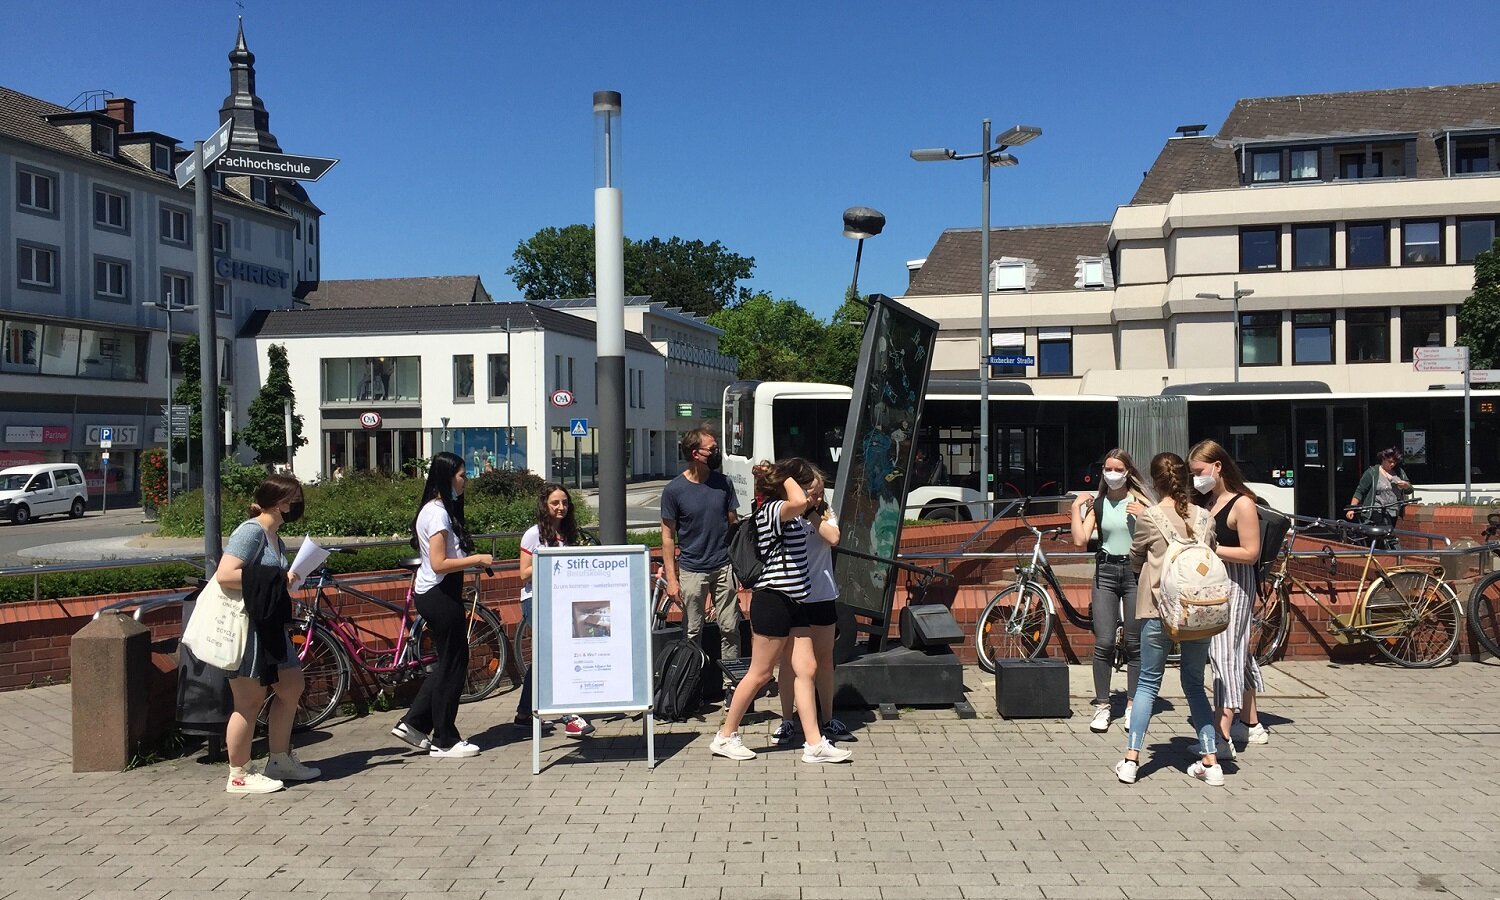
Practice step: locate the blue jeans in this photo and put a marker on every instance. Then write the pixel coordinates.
(1155, 645)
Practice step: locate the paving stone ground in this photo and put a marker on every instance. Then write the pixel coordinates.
(1377, 783)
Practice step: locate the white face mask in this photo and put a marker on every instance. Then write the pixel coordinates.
(1205, 483)
(1115, 480)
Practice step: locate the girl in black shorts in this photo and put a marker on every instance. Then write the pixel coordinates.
(777, 613)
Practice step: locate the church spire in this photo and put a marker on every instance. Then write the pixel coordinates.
(252, 124)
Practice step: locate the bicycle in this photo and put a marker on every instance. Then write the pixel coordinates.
(1409, 612)
(330, 644)
(1484, 597)
(1018, 620)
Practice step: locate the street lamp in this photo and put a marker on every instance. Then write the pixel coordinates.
(1014, 136)
(1239, 293)
(169, 307)
(861, 222)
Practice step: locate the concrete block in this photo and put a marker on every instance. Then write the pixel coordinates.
(111, 662)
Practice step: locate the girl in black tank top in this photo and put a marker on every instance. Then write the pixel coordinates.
(1227, 536)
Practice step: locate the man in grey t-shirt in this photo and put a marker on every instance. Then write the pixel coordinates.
(698, 517)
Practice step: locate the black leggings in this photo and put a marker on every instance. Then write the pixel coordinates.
(435, 711)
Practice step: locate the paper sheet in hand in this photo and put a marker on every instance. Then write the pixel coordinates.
(309, 557)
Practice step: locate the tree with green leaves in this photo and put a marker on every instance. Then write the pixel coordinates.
(265, 433)
(1479, 316)
(838, 360)
(189, 394)
(774, 340)
(701, 278)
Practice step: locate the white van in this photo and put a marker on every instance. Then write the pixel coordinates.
(42, 490)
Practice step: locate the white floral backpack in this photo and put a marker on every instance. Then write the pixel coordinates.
(1194, 594)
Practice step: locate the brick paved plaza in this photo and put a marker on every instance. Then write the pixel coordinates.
(1378, 783)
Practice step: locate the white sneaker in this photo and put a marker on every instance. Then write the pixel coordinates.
(1100, 723)
(411, 736)
(248, 782)
(731, 747)
(1125, 770)
(824, 752)
(1213, 774)
(1251, 735)
(287, 767)
(460, 750)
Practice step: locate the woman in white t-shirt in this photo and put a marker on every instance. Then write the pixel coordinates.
(822, 537)
(440, 536)
(556, 526)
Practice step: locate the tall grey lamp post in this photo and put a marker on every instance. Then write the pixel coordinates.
(1239, 294)
(609, 289)
(861, 222)
(1014, 136)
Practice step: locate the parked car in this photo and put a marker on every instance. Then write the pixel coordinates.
(42, 490)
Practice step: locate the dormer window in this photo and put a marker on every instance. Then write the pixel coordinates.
(1304, 164)
(258, 190)
(1372, 161)
(1474, 156)
(1265, 165)
(104, 140)
(1008, 276)
(161, 158)
(1093, 273)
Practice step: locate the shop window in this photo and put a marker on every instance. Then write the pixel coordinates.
(500, 375)
(389, 379)
(463, 378)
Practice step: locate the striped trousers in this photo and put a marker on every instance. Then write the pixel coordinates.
(1229, 650)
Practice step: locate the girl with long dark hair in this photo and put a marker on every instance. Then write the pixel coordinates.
(1148, 556)
(1221, 488)
(556, 526)
(442, 539)
(1109, 517)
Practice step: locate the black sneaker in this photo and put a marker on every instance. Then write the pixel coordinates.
(836, 730)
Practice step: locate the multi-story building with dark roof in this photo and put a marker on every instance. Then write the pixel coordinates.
(92, 229)
(1353, 217)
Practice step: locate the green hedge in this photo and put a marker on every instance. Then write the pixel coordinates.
(158, 577)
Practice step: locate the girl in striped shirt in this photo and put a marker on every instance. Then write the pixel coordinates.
(778, 612)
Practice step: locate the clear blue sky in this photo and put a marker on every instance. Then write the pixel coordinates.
(463, 127)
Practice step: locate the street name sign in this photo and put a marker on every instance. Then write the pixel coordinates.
(999, 360)
(213, 148)
(275, 165)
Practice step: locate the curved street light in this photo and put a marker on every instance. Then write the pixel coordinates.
(861, 222)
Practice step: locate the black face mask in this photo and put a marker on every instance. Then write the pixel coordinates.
(294, 513)
(715, 460)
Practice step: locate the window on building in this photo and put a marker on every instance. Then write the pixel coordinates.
(1008, 343)
(111, 278)
(1304, 164)
(1367, 335)
(1472, 156)
(176, 289)
(222, 296)
(161, 158)
(1422, 326)
(630, 388)
(21, 351)
(1312, 246)
(640, 389)
(1312, 338)
(258, 191)
(36, 266)
(111, 355)
(226, 362)
(1356, 165)
(312, 233)
(221, 236)
(463, 377)
(104, 140)
(570, 378)
(176, 225)
(499, 376)
(1367, 244)
(1093, 273)
(1422, 243)
(111, 210)
(1475, 236)
(557, 373)
(1260, 249)
(1260, 339)
(1265, 165)
(36, 192)
(365, 379)
(1054, 352)
(1008, 276)
(32, 348)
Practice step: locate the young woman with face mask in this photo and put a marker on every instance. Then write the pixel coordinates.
(1109, 517)
(1220, 488)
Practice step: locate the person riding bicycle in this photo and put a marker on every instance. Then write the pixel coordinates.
(556, 526)
(1108, 517)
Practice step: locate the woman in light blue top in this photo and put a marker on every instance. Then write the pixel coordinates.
(1108, 517)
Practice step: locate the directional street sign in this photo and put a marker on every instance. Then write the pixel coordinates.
(213, 148)
(1484, 376)
(580, 427)
(998, 360)
(1440, 359)
(275, 165)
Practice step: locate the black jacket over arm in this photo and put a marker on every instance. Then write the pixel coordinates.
(269, 607)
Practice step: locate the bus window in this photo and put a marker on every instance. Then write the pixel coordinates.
(811, 429)
(739, 420)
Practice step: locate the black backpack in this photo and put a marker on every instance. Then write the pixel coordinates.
(1273, 529)
(679, 681)
(744, 551)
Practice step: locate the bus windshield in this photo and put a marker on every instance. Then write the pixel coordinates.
(811, 429)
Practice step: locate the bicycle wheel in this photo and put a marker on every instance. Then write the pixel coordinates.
(1484, 612)
(522, 648)
(325, 676)
(1417, 626)
(1014, 625)
(1270, 620)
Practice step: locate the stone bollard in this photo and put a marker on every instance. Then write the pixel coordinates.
(111, 659)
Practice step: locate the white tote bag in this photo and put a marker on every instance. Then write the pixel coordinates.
(218, 628)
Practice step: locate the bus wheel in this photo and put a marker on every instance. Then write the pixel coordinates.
(940, 514)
